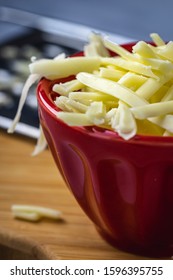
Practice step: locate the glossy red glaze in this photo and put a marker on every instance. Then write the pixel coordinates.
(125, 187)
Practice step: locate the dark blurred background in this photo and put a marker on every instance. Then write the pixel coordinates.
(134, 18)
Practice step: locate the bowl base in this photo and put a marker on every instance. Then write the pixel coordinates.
(164, 252)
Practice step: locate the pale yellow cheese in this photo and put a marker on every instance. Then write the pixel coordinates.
(111, 88)
(55, 69)
(129, 93)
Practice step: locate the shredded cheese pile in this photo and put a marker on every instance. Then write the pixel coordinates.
(130, 93)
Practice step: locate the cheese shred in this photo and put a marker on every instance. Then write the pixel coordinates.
(34, 213)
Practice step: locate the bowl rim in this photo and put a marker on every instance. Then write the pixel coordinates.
(44, 90)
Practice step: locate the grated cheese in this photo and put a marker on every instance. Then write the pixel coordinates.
(34, 213)
(41, 143)
(29, 82)
(130, 93)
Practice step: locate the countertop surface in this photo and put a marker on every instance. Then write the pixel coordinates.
(36, 181)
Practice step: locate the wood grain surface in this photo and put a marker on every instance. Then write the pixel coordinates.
(35, 180)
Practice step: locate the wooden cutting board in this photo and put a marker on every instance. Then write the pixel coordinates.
(36, 181)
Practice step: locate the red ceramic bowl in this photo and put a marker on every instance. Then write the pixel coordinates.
(125, 187)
